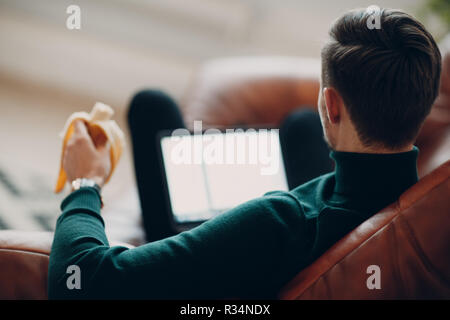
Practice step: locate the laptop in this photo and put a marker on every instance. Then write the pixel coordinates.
(208, 173)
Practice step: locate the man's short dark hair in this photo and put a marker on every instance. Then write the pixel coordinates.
(387, 77)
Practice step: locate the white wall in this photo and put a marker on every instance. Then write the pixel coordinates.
(125, 45)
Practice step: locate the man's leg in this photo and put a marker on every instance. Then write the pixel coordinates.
(150, 112)
(306, 154)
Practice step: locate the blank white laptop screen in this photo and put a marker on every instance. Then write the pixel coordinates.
(207, 174)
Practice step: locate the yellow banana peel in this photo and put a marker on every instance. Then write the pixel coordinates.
(100, 126)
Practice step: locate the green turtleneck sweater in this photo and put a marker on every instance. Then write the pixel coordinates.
(250, 251)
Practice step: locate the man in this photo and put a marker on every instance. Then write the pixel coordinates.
(377, 87)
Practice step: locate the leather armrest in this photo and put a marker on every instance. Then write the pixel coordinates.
(24, 257)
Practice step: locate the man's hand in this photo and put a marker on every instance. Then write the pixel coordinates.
(82, 159)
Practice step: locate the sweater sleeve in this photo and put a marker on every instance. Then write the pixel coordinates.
(241, 253)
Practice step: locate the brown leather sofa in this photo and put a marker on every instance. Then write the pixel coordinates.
(409, 240)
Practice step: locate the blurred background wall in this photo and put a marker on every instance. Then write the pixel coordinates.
(47, 72)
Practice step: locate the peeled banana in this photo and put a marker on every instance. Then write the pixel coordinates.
(100, 127)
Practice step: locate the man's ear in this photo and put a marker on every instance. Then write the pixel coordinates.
(333, 104)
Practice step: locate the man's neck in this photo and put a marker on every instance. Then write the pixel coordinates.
(358, 147)
(347, 139)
